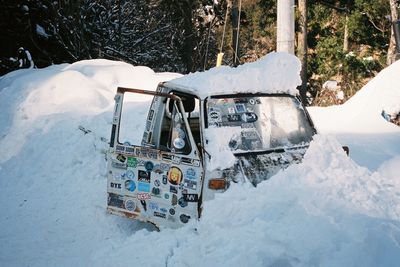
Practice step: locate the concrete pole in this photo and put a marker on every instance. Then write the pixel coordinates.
(285, 23)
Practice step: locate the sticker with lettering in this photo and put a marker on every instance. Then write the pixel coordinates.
(121, 158)
(157, 183)
(231, 110)
(129, 150)
(191, 197)
(143, 196)
(132, 162)
(191, 174)
(190, 184)
(249, 117)
(240, 108)
(164, 210)
(115, 185)
(118, 165)
(176, 160)
(164, 179)
(159, 214)
(165, 167)
(129, 175)
(173, 189)
(130, 205)
(174, 175)
(115, 200)
(144, 187)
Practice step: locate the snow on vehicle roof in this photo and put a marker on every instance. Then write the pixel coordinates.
(277, 72)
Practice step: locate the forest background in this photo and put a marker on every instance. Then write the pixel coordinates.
(345, 41)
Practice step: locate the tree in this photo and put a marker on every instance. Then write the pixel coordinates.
(391, 54)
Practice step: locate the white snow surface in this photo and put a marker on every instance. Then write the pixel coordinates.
(277, 72)
(326, 211)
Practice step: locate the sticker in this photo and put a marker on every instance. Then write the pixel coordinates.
(191, 197)
(196, 163)
(143, 196)
(182, 202)
(164, 179)
(118, 165)
(176, 160)
(149, 166)
(157, 169)
(191, 174)
(159, 214)
(252, 101)
(240, 108)
(234, 117)
(214, 116)
(121, 158)
(130, 185)
(143, 187)
(165, 167)
(156, 191)
(157, 183)
(249, 117)
(120, 148)
(130, 205)
(171, 211)
(166, 196)
(184, 218)
(115, 200)
(144, 176)
(174, 200)
(190, 184)
(132, 162)
(179, 143)
(153, 206)
(129, 150)
(174, 176)
(152, 154)
(129, 175)
(115, 185)
(173, 189)
(231, 110)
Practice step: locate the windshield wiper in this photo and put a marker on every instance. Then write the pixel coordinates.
(272, 150)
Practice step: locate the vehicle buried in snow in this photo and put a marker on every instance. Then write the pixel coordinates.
(195, 145)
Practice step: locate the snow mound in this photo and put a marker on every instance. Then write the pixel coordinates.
(273, 73)
(54, 124)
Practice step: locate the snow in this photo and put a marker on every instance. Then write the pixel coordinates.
(273, 73)
(330, 210)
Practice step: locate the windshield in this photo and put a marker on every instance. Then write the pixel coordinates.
(257, 123)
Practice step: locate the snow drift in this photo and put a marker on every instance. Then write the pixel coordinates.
(54, 126)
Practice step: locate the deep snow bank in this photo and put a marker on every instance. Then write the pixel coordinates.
(327, 211)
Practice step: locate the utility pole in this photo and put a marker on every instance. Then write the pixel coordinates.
(302, 48)
(235, 31)
(285, 30)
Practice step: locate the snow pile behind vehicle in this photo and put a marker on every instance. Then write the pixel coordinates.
(327, 211)
(277, 72)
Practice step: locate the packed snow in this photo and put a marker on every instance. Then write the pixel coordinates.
(330, 210)
(276, 72)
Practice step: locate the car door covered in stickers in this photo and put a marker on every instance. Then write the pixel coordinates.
(154, 167)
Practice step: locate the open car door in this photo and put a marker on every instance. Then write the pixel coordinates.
(159, 180)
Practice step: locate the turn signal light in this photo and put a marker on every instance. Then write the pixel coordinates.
(217, 184)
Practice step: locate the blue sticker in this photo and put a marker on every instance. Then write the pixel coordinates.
(130, 185)
(143, 187)
(153, 206)
(191, 174)
(163, 210)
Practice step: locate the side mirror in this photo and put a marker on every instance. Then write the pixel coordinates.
(346, 149)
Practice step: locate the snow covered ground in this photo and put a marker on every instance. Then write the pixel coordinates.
(331, 210)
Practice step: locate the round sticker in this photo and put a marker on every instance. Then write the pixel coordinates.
(174, 176)
(184, 218)
(179, 143)
(149, 166)
(181, 133)
(130, 205)
(130, 185)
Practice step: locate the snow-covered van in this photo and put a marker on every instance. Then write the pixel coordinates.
(196, 144)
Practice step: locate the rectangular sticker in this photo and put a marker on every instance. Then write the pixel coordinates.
(191, 197)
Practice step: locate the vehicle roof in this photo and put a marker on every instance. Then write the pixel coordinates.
(276, 73)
